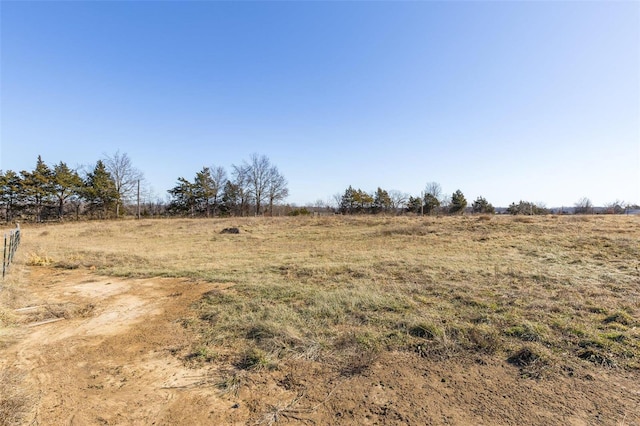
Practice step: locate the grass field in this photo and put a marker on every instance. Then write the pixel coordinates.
(546, 293)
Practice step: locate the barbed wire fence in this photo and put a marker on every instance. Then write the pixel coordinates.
(11, 243)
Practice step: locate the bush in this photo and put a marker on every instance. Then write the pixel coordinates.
(300, 212)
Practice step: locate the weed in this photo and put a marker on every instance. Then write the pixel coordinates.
(231, 383)
(254, 359)
(38, 259)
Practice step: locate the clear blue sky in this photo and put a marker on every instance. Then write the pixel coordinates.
(510, 100)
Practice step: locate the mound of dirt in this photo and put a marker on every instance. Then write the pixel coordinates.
(230, 231)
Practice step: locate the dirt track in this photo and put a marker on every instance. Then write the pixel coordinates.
(115, 359)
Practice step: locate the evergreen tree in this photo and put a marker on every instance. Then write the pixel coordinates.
(458, 203)
(526, 208)
(414, 205)
(100, 191)
(381, 201)
(205, 191)
(363, 201)
(11, 193)
(38, 187)
(348, 201)
(66, 184)
(231, 200)
(431, 203)
(481, 205)
(184, 198)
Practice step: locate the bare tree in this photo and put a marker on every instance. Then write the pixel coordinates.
(398, 199)
(335, 201)
(257, 173)
(241, 186)
(124, 175)
(219, 179)
(276, 187)
(583, 206)
(615, 207)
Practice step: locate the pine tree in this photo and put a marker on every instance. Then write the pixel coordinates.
(381, 201)
(184, 197)
(11, 193)
(458, 203)
(481, 205)
(100, 190)
(66, 184)
(348, 201)
(38, 187)
(431, 203)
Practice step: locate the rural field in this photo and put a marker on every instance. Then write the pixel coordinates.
(478, 320)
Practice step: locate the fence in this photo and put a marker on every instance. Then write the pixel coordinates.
(11, 243)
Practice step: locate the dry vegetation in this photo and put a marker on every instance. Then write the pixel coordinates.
(551, 296)
(563, 288)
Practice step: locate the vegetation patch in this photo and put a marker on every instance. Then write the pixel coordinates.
(342, 290)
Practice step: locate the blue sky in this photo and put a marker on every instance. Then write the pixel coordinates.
(509, 100)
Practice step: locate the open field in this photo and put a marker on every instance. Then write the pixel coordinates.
(327, 320)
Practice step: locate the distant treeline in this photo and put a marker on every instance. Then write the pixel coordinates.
(59, 192)
(112, 188)
(432, 201)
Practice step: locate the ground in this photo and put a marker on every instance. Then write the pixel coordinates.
(111, 362)
(372, 321)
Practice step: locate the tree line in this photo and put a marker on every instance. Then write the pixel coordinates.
(111, 189)
(59, 191)
(430, 202)
(254, 187)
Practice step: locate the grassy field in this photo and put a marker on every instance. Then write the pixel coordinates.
(547, 293)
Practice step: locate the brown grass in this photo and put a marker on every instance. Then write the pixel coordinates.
(15, 402)
(343, 289)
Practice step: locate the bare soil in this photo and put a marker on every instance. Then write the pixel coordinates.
(117, 355)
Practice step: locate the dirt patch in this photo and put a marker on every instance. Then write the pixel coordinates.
(112, 366)
(124, 362)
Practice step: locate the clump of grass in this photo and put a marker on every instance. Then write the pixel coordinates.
(7, 317)
(255, 359)
(232, 382)
(424, 330)
(620, 317)
(358, 351)
(531, 362)
(597, 358)
(527, 332)
(524, 219)
(485, 339)
(38, 259)
(202, 354)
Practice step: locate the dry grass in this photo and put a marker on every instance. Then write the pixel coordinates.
(342, 289)
(15, 402)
